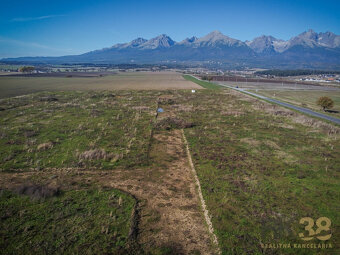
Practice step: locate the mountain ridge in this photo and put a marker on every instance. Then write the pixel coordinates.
(306, 49)
(309, 38)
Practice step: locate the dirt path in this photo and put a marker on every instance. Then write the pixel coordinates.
(171, 215)
(200, 195)
(171, 212)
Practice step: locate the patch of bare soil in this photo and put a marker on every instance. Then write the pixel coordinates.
(171, 215)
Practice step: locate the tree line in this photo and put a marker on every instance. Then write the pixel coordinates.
(284, 73)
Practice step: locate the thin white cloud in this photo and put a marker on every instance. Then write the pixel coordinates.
(35, 18)
(32, 44)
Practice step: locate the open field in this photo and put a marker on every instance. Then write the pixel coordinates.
(291, 82)
(77, 221)
(16, 86)
(300, 95)
(68, 139)
(75, 129)
(61, 74)
(306, 99)
(279, 86)
(204, 84)
(261, 169)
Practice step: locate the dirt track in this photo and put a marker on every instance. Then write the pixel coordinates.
(171, 215)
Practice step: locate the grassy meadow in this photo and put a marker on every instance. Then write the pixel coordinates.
(98, 130)
(73, 222)
(261, 168)
(204, 84)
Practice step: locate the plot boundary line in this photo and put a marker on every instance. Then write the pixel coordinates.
(203, 204)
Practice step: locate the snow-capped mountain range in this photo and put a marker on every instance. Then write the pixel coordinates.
(259, 44)
(307, 39)
(307, 49)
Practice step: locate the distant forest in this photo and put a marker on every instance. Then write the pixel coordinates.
(284, 73)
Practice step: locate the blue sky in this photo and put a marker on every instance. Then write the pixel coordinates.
(53, 28)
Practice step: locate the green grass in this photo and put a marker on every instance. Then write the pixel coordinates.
(261, 173)
(204, 84)
(75, 222)
(76, 124)
(306, 99)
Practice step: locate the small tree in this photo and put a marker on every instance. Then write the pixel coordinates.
(26, 69)
(325, 103)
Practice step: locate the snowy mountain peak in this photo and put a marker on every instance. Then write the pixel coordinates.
(137, 42)
(312, 39)
(308, 35)
(192, 39)
(188, 41)
(329, 39)
(217, 38)
(215, 33)
(263, 44)
(161, 41)
(214, 36)
(133, 44)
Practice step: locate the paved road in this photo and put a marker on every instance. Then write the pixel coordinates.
(297, 108)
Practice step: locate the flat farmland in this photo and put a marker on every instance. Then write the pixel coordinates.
(305, 98)
(17, 86)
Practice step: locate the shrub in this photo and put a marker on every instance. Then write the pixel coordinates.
(26, 69)
(325, 103)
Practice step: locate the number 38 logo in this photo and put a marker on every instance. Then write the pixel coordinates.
(323, 224)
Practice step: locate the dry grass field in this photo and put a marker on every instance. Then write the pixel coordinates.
(102, 172)
(17, 86)
(121, 144)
